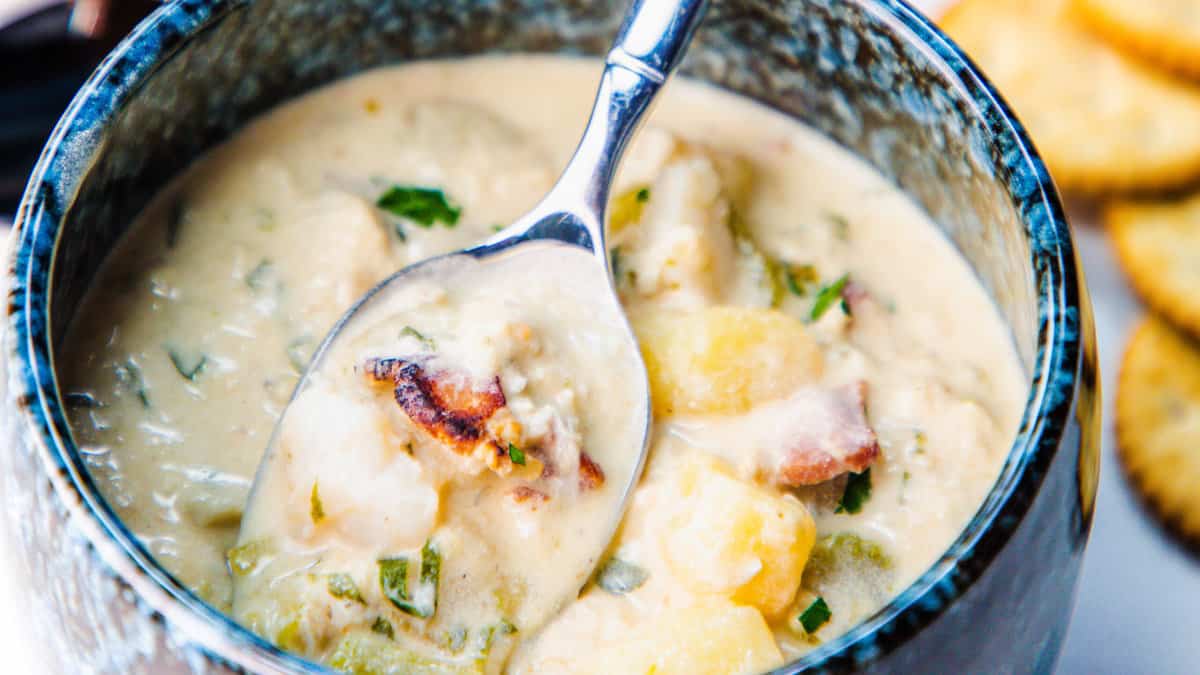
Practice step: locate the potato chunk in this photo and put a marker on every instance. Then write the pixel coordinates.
(724, 359)
(729, 537)
(712, 637)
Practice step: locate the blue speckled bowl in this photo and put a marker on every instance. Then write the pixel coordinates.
(873, 74)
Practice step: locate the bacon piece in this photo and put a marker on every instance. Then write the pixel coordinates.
(524, 494)
(467, 418)
(833, 436)
(591, 476)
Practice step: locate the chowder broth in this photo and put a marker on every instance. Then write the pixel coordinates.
(818, 353)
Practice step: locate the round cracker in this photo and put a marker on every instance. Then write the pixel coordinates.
(1165, 33)
(1158, 422)
(1158, 246)
(1102, 120)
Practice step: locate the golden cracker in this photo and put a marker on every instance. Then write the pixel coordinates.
(1102, 120)
(1158, 246)
(1158, 422)
(1165, 33)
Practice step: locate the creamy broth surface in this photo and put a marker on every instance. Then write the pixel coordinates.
(834, 393)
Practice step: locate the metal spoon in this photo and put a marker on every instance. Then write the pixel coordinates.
(563, 232)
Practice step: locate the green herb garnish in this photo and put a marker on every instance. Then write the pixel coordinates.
(426, 342)
(643, 195)
(858, 491)
(187, 369)
(257, 277)
(316, 508)
(619, 577)
(343, 586)
(815, 616)
(393, 580)
(383, 627)
(516, 455)
(828, 295)
(615, 259)
(423, 206)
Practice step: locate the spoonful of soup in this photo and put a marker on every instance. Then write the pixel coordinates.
(459, 452)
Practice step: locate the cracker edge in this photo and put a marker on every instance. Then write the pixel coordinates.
(1117, 221)
(1161, 50)
(1090, 183)
(1172, 521)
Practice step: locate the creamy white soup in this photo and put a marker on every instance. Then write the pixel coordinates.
(833, 391)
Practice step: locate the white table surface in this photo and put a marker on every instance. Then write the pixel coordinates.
(1139, 592)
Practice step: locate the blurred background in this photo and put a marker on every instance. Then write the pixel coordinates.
(1139, 589)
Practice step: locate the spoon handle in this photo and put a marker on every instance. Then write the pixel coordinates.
(650, 43)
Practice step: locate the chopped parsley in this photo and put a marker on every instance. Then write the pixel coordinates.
(516, 455)
(342, 586)
(187, 369)
(828, 296)
(257, 277)
(316, 508)
(816, 615)
(423, 206)
(615, 261)
(393, 580)
(383, 627)
(426, 342)
(643, 195)
(619, 577)
(858, 491)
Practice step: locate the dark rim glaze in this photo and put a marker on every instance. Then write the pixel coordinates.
(34, 386)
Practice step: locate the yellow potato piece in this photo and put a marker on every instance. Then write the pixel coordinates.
(713, 637)
(730, 537)
(1102, 120)
(724, 359)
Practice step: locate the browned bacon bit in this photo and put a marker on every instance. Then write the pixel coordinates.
(469, 419)
(833, 438)
(591, 476)
(524, 494)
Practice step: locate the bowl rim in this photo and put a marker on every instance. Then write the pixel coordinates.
(33, 383)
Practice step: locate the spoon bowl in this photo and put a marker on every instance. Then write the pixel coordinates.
(454, 341)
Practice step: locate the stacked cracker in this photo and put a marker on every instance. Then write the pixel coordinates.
(1110, 92)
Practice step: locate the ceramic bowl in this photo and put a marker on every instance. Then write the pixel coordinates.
(874, 75)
